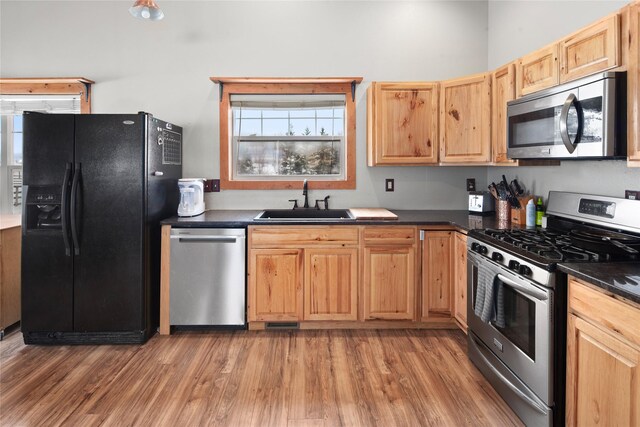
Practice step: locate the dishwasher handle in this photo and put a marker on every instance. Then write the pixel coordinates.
(200, 239)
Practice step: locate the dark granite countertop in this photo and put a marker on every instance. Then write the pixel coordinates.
(242, 218)
(619, 278)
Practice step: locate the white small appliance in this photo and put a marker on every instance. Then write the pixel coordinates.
(191, 196)
(481, 203)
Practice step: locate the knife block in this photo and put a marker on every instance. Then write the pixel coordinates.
(519, 216)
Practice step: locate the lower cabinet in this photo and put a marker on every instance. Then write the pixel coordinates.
(603, 359)
(298, 273)
(356, 273)
(437, 274)
(275, 280)
(389, 279)
(10, 244)
(330, 284)
(460, 280)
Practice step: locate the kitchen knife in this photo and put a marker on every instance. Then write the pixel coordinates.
(502, 191)
(518, 188)
(493, 190)
(512, 198)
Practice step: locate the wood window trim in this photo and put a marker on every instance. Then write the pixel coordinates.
(273, 85)
(50, 86)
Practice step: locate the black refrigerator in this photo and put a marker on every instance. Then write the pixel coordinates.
(95, 189)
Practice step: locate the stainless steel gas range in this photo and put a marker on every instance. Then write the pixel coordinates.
(517, 300)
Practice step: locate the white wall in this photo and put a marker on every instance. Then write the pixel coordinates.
(519, 27)
(164, 68)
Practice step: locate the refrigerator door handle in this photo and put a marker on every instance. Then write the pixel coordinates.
(74, 213)
(64, 210)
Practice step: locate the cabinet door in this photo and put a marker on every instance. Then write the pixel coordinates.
(10, 253)
(402, 123)
(460, 282)
(603, 377)
(592, 49)
(465, 119)
(389, 282)
(275, 285)
(437, 274)
(537, 70)
(330, 284)
(633, 87)
(503, 89)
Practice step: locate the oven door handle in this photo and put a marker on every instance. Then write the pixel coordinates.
(527, 290)
(528, 399)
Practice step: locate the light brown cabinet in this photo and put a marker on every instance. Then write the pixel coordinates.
(591, 49)
(275, 280)
(537, 70)
(389, 279)
(438, 274)
(603, 359)
(330, 284)
(633, 86)
(302, 273)
(465, 119)
(460, 280)
(503, 90)
(402, 123)
(10, 249)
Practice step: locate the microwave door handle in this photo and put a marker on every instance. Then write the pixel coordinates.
(564, 117)
(532, 292)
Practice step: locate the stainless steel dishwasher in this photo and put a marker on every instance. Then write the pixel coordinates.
(207, 277)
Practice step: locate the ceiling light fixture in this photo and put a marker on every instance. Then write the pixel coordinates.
(146, 9)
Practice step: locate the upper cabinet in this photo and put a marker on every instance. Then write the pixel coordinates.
(633, 87)
(587, 51)
(503, 89)
(592, 49)
(402, 124)
(465, 119)
(537, 70)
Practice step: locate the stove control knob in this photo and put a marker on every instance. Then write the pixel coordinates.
(497, 256)
(524, 270)
(514, 265)
(482, 249)
(475, 246)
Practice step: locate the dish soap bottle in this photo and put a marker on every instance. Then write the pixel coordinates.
(530, 214)
(539, 211)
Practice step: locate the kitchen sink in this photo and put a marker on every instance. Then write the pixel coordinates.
(309, 214)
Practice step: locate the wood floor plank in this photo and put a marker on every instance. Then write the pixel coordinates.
(252, 378)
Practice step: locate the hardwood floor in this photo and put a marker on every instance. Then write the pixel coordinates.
(251, 378)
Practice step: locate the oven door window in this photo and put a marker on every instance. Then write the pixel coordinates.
(519, 320)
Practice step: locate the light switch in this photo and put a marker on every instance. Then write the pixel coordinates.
(389, 184)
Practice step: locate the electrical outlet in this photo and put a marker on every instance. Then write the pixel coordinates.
(631, 194)
(211, 185)
(389, 184)
(471, 184)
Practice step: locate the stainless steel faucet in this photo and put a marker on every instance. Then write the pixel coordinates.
(305, 192)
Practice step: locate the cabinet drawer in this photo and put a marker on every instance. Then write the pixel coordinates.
(389, 235)
(614, 315)
(274, 236)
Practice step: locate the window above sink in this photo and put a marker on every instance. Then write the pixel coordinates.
(276, 132)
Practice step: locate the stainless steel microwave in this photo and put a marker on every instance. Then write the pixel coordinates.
(584, 119)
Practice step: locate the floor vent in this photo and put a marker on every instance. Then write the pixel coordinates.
(282, 325)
